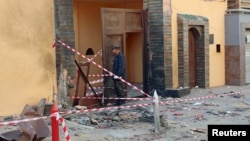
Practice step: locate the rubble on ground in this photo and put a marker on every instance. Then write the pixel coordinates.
(179, 120)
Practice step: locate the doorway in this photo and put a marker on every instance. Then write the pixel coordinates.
(196, 61)
(123, 27)
(192, 45)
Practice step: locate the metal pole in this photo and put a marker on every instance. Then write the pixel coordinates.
(156, 113)
(54, 123)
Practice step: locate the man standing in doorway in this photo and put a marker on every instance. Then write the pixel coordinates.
(119, 70)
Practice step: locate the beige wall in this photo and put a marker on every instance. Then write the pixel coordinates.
(26, 57)
(88, 33)
(214, 11)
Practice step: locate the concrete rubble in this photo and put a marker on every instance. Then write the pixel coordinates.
(180, 121)
(35, 130)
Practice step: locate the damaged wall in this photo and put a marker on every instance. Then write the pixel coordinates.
(27, 60)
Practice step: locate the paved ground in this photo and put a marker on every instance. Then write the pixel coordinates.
(181, 121)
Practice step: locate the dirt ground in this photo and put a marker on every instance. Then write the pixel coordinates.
(183, 120)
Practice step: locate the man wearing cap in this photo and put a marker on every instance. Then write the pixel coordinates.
(119, 70)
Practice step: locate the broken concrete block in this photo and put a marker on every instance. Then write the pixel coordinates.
(116, 118)
(177, 113)
(15, 135)
(79, 107)
(28, 131)
(164, 121)
(241, 106)
(199, 117)
(41, 106)
(34, 110)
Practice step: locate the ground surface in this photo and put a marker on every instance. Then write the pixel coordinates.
(184, 120)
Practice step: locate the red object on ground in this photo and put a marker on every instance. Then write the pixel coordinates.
(54, 123)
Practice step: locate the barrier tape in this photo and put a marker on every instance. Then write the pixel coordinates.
(28, 119)
(160, 103)
(66, 133)
(101, 67)
(96, 81)
(107, 108)
(95, 55)
(202, 97)
(115, 98)
(121, 107)
(99, 75)
(20, 121)
(100, 88)
(90, 94)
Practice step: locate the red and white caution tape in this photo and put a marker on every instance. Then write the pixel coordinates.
(126, 107)
(98, 75)
(101, 67)
(66, 133)
(90, 94)
(96, 81)
(107, 108)
(202, 97)
(20, 121)
(100, 88)
(27, 120)
(99, 52)
(149, 104)
(114, 98)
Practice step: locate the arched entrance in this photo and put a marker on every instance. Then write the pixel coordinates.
(193, 35)
(193, 51)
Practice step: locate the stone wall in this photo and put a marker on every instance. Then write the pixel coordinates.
(159, 45)
(64, 27)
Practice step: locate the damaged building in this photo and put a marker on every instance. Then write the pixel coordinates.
(170, 45)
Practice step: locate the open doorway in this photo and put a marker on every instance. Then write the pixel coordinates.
(92, 31)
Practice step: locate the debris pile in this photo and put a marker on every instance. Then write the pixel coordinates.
(34, 130)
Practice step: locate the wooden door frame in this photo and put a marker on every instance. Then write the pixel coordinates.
(122, 29)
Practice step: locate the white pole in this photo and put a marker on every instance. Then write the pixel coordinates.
(156, 113)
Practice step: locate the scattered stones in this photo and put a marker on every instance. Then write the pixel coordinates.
(116, 118)
(184, 124)
(199, 117)
(177, 113)
(199, 130)
(246, 102)
(164, 121)
(197, 103)
(78, 107)
(212, 112)
(95, 122)
(210, 104)
(241, 106)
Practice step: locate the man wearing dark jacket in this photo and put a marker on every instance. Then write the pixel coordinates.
(119, 68)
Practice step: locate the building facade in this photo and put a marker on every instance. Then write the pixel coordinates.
(169, 45)
(27, 59)
(237, 42)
